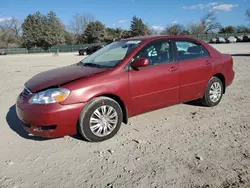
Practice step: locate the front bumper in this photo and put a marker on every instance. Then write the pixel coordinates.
(52, 120)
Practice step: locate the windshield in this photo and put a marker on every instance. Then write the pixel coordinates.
(111, 55)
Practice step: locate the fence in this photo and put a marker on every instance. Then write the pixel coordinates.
(75, 48)
(54, 49)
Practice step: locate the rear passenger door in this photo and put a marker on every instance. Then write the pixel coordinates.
(195, 68)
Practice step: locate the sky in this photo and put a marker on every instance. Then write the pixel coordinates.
(118, 13)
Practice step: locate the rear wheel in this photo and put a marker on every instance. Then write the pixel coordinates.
(100, 119)
(213, 93)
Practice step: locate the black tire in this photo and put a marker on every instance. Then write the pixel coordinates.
(84, 119)
(84, 53)
(206, 101)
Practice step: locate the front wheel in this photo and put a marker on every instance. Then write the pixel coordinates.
(213, 93)
(100, 119)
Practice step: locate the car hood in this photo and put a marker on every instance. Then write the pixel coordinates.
(59, 76)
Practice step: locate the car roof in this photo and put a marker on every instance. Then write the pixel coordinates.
(151, 37)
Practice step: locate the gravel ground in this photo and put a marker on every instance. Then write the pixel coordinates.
(180, 146)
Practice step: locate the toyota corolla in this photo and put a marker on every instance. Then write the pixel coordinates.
(125, 78)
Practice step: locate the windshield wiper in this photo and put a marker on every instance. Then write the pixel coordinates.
(92, 65)
(95, 65)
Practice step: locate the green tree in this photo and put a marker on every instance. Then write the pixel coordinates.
(42, 30)
(33, 27)
(110, 34)
(228, 29)
(95, 32)
(56, 30)
(69, 37)
(138, 28)
(126, 34)
(113, 34)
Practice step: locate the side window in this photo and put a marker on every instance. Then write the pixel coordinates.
(157, 52)
(189, 50)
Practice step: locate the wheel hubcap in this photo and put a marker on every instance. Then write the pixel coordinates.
(215, 92)
(103, 121)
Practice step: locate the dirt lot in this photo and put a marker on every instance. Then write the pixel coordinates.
(180, 146)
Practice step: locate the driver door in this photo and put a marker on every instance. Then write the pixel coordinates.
(156, 85)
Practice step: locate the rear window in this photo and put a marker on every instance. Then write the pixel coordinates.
(190, 50)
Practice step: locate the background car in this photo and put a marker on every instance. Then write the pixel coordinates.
(124, 79)
(221, 40)
(213, 40)
(89, 49)
(246, 38)
(231, 39)
(3, 52)
(83, 51)
(239, 38)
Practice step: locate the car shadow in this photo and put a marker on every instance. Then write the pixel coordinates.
(239, 55)
(194, 103)
(15, 125)
(80, 55)
(79, 137)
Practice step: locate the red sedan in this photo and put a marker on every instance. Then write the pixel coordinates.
(124, 79)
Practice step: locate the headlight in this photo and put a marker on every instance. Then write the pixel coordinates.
(50, 96)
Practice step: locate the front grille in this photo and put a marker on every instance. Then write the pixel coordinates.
(26, 92)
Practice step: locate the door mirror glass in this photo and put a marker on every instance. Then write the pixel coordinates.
(141, 62)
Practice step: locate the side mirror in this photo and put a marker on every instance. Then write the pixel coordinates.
(141, 62)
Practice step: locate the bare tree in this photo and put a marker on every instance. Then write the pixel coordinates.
(12, 24)
(10, 30)
(248, 14)
(209, 23)
(79, 24)
(155, 31)
(176, 29)
(17, 26)
(195, 28)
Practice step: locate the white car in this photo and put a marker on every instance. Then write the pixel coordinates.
(3, 52)
(220, 40)
(231, 40)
